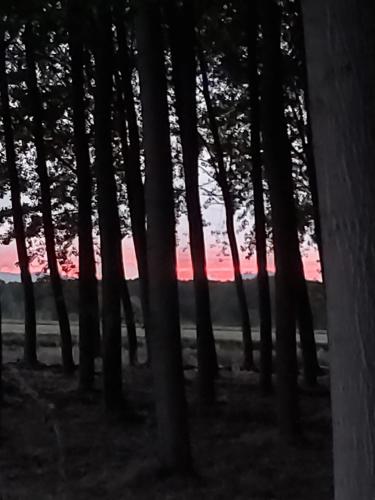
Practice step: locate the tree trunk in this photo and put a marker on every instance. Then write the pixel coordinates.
(30, 355)
(109, 223)
(248, 361)
(133, 177)
(340, 41)
(264, 297)
(309, 151)
(282, 151)
(89, 328)
(277, 164)
(306, 325)
(181, 20)
(130, 323)
(1, 364)
(166, 359)
(125, 296)
(38, 132)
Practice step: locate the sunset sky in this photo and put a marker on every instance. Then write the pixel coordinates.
(219, 266)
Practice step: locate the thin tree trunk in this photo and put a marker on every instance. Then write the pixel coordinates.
(130, 323)
(133, 177)
(182, 37)
(89, 327)
(248, 361)
(1, 364)
(306, 326)
(265, 314)
(125, 296)
(277, 165)
(38, 132)
(109, 224)
(166, 358)
(340, 41)
(309, 151)
(30, 355)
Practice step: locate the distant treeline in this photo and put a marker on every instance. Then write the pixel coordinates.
(223, 299)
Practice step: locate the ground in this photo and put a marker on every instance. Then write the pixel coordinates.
(59, 444)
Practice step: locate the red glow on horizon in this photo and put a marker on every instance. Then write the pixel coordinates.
(219, 267)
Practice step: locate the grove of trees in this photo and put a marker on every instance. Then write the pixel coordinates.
(119, 116)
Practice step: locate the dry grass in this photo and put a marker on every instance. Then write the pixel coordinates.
(58, 443)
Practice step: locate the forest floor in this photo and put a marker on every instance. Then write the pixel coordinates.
(57, 443)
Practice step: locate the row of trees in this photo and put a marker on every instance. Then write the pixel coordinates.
(99, 85)
(104, 95)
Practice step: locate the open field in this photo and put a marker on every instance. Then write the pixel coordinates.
(228, 340)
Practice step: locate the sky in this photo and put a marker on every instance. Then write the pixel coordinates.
(219, 266)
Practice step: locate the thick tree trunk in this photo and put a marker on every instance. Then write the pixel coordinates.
(166, 359)
(340, 42)
(30, 355)
(265, 314)
(181, 20)
(133, 177)
(38, 132)
(248, 361)
(274, 107)
(89, 327)
(276, 160)
(109, 224)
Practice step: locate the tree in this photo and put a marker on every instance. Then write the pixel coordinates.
(276, 161)
(166, 359)
(308, 142)
(279, 167)
(30, 355)
(133, 174)
(36, 106)
(248, 361)
(181, 25)
(125, 296)
(264, 298)
(89, 328)
(109, 224)
(129, 315)
(340, 55)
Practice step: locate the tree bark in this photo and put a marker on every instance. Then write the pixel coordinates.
(277, 165)
(109, 223)
(130, 322)
(1, 363)
(125, 296)
(30, 354)
(181, 21)
(309, 151)
(89, 327)
(38, 133)
(272, 55)
(340, 42)
(166, 359)
(265, 314)
(133, 177)
(248, 361)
